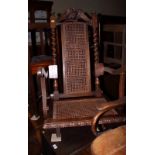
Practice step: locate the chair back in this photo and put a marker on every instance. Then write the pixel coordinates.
(77, 54)
(75, 58)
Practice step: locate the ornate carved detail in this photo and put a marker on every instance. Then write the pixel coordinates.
(74, 14)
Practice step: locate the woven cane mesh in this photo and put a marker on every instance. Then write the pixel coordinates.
(69, 113)
(75, 57)
(81, 108)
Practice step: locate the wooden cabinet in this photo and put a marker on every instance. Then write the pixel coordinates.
(114, 44)
(38, 27)
(39, 51)
(112, 51)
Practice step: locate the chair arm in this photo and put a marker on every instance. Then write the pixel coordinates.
(110, 103)
(100, 69)
(115, 71)
(112, 71)
(42, 73)
(107, 107)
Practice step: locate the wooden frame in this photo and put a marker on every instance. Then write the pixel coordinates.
(117, 42)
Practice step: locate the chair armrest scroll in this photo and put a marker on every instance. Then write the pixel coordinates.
(111, 103)
(106, 107)
(42, 73)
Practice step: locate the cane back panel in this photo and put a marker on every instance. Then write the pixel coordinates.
(75, 58)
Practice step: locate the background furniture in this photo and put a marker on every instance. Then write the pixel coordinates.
(112, 41)
(114, 57)
(39, 27)
(110, 142)
(114, 45)
(39, 46)
(34, 139)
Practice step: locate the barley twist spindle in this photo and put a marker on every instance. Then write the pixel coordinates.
(54, 55)
(96, 52)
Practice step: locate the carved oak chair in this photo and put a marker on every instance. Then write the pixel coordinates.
(76, 86)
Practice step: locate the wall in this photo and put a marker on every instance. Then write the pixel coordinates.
(106, 7)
